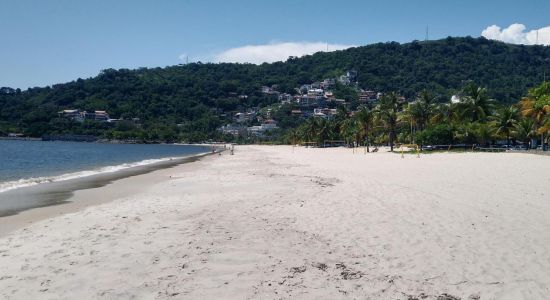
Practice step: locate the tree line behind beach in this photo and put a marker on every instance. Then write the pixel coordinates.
(471, 117)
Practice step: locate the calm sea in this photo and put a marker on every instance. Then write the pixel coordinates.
(27, 163)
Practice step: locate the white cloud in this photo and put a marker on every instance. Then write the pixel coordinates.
(273, 52)
(517, 34)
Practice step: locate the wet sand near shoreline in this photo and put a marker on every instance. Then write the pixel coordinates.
(34, 203)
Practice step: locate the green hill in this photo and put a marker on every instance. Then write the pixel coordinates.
(188, 101)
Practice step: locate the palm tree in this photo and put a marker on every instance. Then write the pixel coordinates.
(525, 130)
(293, 136)
(465, 133)
(408, 117)
(505, 122)
(422, 109)
(324, 130)
(342, 113)
(310, 130)
(537, 107)
(475, 103)
(364, 117)
(348, 129)
(444, 113)
(484, 132)
(334, 129)
(545, 128)
(387, 110)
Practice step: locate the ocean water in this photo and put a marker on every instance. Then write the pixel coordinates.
(29, 163)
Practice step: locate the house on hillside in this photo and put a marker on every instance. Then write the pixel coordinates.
(348, 78)
(269, 124)
(328, 83)
(311, 101)
(304, 88)
(296, 113)
(72, 114)
(101, 115)
(343, 79)
(266, 90)
(266, 126)
(15, 135)
(327, 113)
(270, 90)
(235, 130)
(336, 102)
(367, 96)
(285, 98)
(316, 93)
(241, 117)
(80, 116)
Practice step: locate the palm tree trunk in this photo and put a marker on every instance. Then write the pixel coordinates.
(367, 136)
(391, 140)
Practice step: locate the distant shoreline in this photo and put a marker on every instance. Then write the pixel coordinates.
(108, 141)
(6, 138)
(90, 139)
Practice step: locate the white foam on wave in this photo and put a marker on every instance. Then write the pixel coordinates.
(26, 182)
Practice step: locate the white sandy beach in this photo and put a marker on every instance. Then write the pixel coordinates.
(275, 222)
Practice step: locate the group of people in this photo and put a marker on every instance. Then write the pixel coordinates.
(231, 150)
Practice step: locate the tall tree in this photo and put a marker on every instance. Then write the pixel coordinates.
(310, 130)
(324, 130)
(444, 113)
(505, 122)
(388, 109)
(365, 117)
(423, 109)
(536, 105)
(293, 136)
(525, 130)
(475, 103)
(348, 130)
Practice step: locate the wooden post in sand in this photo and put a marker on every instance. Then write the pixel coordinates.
(402, 155)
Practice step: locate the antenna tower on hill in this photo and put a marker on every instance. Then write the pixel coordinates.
(427, 33)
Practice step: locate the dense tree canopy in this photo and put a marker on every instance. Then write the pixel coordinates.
(187, 102)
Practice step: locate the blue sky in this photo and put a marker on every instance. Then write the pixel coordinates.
(46, 42)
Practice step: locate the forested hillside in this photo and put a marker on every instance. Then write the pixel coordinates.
(188, 102)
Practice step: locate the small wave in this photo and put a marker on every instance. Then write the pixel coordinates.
(26, 182)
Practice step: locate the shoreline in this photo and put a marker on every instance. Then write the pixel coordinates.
(11, 185)
(74, 194)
